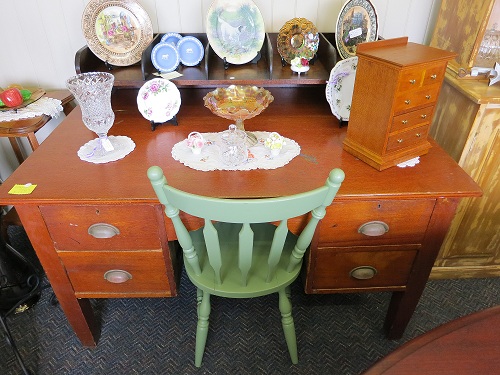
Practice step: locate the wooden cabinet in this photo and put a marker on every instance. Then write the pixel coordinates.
(467, 126)
(397, 85)
(471, 29)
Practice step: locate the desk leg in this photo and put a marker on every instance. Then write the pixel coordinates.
(17, 149)
(33, 141)
(403, 304)
(78, 311)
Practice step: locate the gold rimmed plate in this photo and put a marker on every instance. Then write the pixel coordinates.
(117, 32)
(298, 37)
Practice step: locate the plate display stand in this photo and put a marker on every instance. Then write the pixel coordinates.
(255, 60)
(311, 62)
(172, 121)
(265, 70)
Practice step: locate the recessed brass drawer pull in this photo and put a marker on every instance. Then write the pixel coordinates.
(363, 272)
(103, 230)
(374, 228)
(117, 276)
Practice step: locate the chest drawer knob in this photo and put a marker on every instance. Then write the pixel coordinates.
(407, 101)
(433, 76)
(363, 272)
(404, 122)
(117, 276)
(412, 81)
(427, 97)
(103, 230)
(373, 228)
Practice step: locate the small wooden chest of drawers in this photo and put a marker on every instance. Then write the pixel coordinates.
(397, 85)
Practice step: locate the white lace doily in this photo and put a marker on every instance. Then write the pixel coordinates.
(43, 106)
(409, 163)
(259, 157)
(122, 147)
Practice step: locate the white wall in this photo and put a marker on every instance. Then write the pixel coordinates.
(40, 37)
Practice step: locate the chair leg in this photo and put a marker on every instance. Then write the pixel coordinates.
(202, 328)
(288, 325)
(199, 298)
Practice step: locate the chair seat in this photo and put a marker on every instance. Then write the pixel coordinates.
(232, 283)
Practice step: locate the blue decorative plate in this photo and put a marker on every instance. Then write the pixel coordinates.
(164, 57)
(172, 38)
(190, 51)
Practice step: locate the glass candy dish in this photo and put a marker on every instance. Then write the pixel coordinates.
(238, 103)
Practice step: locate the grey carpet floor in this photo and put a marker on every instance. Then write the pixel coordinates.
(337, 334)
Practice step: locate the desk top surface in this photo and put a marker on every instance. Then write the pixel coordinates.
(300, 114)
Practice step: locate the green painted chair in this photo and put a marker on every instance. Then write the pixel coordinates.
(239, 253)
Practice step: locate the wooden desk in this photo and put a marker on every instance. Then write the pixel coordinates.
(416, 203)
(468, 345)
(27, 127)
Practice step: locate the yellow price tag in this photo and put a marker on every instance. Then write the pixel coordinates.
(19, 189)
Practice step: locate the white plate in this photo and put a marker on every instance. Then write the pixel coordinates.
(340, 87)
(356, 23)
(190, 51)
(159, 100)
(165, 57)
(235, 30)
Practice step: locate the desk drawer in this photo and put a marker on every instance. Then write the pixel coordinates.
(401, 221)
(131, 273)
(113, 227)
(360, 268)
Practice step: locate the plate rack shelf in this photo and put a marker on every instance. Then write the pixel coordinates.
(211, 72)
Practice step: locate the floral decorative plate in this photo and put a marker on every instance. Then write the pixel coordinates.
(235, 30)
(340, 87)
(171, 38)
(356, 23)
(159, 100)
(117, 31)
(298, 37)
(190, 51)
(165, 57)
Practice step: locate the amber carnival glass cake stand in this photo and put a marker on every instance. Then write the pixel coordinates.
(239, 103)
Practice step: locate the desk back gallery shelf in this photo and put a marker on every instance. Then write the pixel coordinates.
(267, 71)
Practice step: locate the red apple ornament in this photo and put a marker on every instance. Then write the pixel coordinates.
(11, 97)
